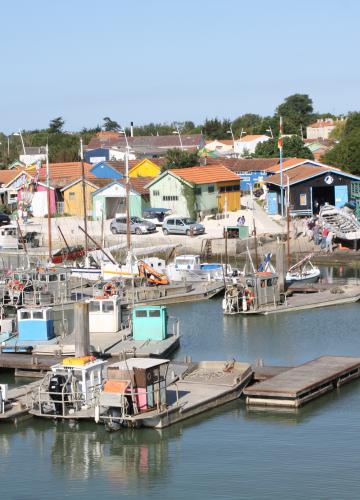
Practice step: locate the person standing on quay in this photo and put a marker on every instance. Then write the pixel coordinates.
(329, 242)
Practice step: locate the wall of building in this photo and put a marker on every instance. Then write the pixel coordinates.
(170, 192)
(136, 202)
(319, 132)
(73, 199)
(145, 168)
(206, 198)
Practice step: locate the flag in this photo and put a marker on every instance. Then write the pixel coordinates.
(280, 143)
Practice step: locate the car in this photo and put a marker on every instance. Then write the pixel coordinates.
(156, 215)
(137, 225)
(259, 192)
(181, 225)
(4, 219)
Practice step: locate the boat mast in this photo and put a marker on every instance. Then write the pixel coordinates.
(288, 221)
(84, 194)
(127, 191)
(48, 202)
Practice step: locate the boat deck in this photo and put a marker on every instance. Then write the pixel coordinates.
(336, 295)
(299, 385)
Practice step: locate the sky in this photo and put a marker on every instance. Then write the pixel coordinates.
(162, 61)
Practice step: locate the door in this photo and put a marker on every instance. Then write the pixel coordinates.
(341, 196)
(272, 203)
(180, 226)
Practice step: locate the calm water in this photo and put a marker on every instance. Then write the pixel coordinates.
(229, 453)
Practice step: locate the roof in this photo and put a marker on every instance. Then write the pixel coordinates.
(7, 176)
(205, 175)
(327, 122)
(143, 363)
(242, 165)
(250, 138)
(35, 150)
(137, 184)
(61, 174)
(304, 172)
(147, 141)
(287, 164)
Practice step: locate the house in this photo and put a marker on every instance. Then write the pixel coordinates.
(109, 200)
(247, 144)
(137, 168)
(142, 146)
(310, 186)
(220, 145)
(321, 129)
(33, 155)
(318, 147)
(96, 155)
(146, 168)
(188, 191)
(74, 198)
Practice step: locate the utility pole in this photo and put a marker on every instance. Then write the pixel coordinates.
(48, 202)
(127, 188)
(280, 146)
(84, 194)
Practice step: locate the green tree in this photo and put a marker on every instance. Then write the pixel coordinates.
(56, 125)
(110, 125)
(178, 158)
(293, 147)
(346, 153)
(250, 123)
(214, 128)
(297, 111)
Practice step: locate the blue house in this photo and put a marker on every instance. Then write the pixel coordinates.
(96, 155)
(103, 170)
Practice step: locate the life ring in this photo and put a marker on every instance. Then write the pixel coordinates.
(16, 285)
(249, 296)
(109, 289)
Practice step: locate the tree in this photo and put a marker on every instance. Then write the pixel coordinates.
(56, 125)
(346, 154)
(110, 125)
(293, 147)
(214, 128)
(178, 158)
(297, 111)
(250, 123)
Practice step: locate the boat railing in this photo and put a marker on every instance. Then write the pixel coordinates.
(71, 399)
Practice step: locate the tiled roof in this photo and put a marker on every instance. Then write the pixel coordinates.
(250, 138)
(323, 123)
(205, 175)
(301, 173)
(242, 165)
(289, 163)
(7, 176)
(147, 141)
(61, 174)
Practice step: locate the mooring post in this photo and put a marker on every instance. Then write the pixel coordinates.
(280, 268)
(82, 335)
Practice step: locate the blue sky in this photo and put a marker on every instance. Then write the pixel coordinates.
(161, 60)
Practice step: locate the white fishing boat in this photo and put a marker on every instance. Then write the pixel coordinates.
(341, 221)
(189, 268)
(303, 271)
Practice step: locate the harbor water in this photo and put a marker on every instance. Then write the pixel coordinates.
(228, 453)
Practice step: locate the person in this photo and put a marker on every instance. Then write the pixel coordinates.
(25, 216)
(324, 235)
(243, 220)
(316, 233)
(329, 242)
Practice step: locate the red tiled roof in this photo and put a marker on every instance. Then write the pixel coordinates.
(7, 176)
(205, 175)
(249, 138)
(241, 165)
(323, 123)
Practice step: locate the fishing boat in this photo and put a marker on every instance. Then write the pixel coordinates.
(303, 271)
(341, 221)
(190, 268)
(154, 393)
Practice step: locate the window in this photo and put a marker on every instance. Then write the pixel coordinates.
(94, 306)
(179, 222)
(108, 306)
(269, 282)
(37, 315)
(198, 190)
(72, 195)
(170, 198)
(171, 222)
(62, 277)
(303, 201)
(156, 192)
(25, 315)
(141, 314)
(155, 313)
(52, 277)
(211, 189)
(121, 220)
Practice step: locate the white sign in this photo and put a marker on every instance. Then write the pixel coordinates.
(97, 159)
(329, 179)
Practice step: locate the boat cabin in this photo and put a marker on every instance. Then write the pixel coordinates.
(150, 323)
(9, 237)
(136, 385)
(35, 324)
(183, 262)
(263, 289)
(105, 314)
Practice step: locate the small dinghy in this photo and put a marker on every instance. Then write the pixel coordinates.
(303, 272)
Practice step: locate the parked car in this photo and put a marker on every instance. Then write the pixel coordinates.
(258, 192)
(181, 225)
(137, 225)
(156, 215)
(4, 219)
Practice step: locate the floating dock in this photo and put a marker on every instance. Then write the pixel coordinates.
(299, 385)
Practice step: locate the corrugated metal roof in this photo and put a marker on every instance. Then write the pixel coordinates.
(304, 172)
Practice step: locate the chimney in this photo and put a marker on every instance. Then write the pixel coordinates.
(131, 129)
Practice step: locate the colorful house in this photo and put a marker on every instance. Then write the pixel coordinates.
(145, 168)
(109, 200)
(74, 199)
(189, 191)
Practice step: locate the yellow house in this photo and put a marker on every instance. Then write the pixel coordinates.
(73, 197)
(145, 168)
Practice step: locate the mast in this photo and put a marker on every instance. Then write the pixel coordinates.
(288, 221)
(127, 186)
(84, 194)
(280, 146)
(48, 202)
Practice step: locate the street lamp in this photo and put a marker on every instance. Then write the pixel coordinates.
(271, 133)
(22, 140)
(127, 188)
(230, 131)
(177, 131)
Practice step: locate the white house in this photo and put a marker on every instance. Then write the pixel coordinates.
(321, 129)
(247, 144)
(33, 154)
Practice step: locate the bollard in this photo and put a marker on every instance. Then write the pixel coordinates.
(82, 335)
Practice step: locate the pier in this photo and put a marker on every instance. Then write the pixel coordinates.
(297, 386)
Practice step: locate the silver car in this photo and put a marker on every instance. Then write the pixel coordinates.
(137, 225)
(182, 225)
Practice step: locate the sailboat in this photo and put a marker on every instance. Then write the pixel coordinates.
(303, 271)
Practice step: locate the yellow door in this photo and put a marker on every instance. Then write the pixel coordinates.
(232, 201)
